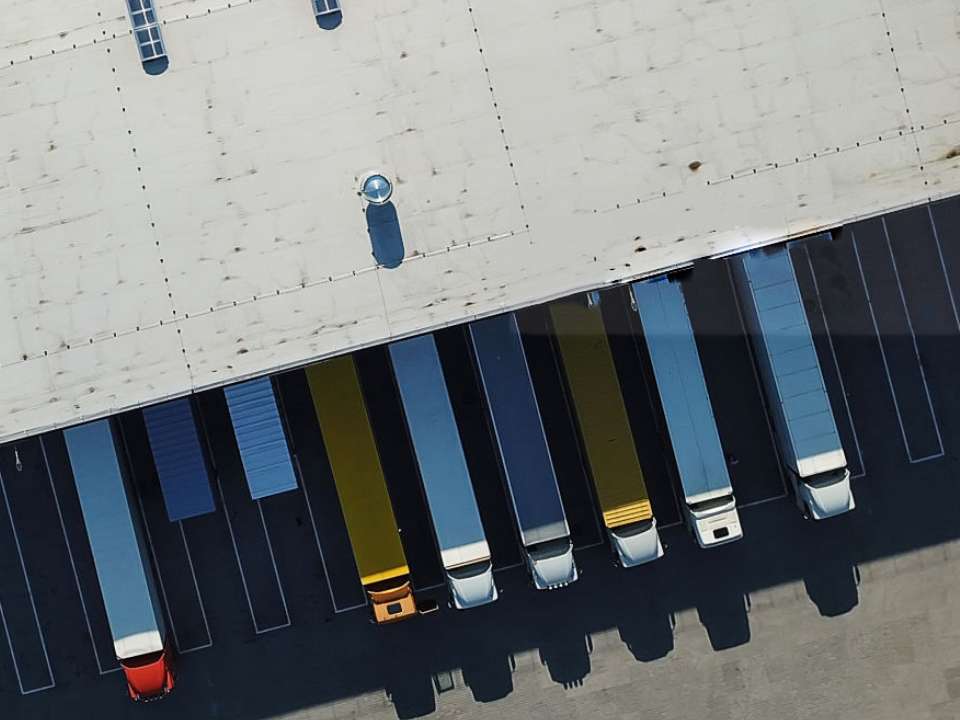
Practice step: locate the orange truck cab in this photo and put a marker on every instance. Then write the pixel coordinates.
(391, 601)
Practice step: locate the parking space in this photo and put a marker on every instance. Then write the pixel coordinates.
(18, 605)
(246, 524)
(826, 351)
(898, 344)
(739, 407)
(559, 424)
(169, 549)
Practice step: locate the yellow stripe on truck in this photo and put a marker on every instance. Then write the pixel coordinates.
(602, 416)
(357, 472)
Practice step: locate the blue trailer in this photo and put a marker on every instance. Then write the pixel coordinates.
(261, 440)
(179, 459)
(709, 507)
(803, 419)
(443, 471)
(527, 466)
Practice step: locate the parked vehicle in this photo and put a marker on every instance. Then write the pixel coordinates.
(805, 426)
(179, 459)
(120, 557)
(443, 471)
(605, 431)
(709, 506)
(261, 440)
(527, 467)
(362, 488)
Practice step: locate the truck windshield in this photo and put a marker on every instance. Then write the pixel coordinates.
(827, 478)
(625, 531)
(711, 504)
(469, 571)
(549, 549)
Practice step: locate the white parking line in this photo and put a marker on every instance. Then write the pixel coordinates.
(589, 545)
(836, 365)
(943, 265)
(33, 606)
(276, 573)
(348, 608)
(756, 377)
(913, 337)
(755, 503)
(236, 552)
(316, 537)
(73, 564)
(883, 353)
(508, 567)
(675, 523)
(196, 586)
(233, 538)
(430, 587)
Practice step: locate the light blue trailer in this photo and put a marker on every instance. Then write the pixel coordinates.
(709, 505)
(527, 465)
(260, 437)
(443, 470)
(793, 381)
(179, 459)
(120, 558)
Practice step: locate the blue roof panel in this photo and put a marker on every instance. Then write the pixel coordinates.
(179, 459)
(260, 438)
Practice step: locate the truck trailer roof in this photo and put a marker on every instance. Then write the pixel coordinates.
(518, 429)
(357, 472)
(436, 443)
(598, 403)
(118, 553)
(202, 226)
(682, 389)
(784, 337)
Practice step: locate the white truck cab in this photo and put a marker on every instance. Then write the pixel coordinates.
(551, 564)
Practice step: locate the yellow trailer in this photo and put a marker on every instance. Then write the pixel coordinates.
(605, 429)
(358, 474)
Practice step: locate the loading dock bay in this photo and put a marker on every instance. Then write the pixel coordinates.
(881, 301)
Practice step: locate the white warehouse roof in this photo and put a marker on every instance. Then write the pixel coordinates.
(166, 233)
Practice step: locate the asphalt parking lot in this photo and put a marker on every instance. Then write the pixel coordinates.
(264, 603)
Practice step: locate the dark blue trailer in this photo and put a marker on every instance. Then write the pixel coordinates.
(260, 438)
(179, 459)
(527, 466)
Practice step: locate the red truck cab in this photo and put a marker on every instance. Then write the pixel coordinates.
(149, 677)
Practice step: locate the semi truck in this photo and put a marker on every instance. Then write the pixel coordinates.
(709, 507)
(120, 557)
(524, 453)
(179, 459)
(261, 440)
(803, 420)
(605, 431)
(457, 526)
(362, 488)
